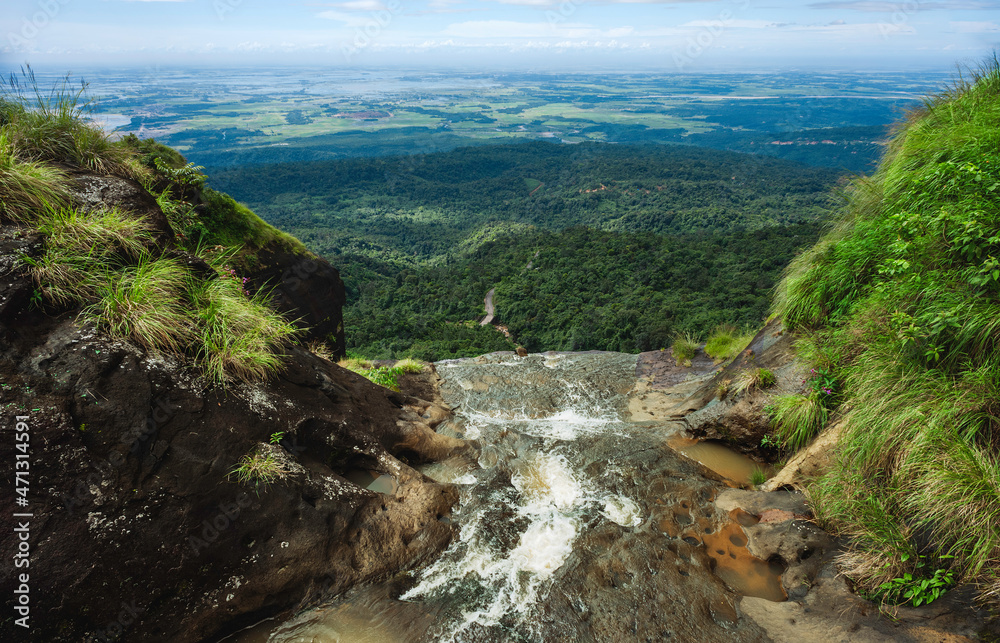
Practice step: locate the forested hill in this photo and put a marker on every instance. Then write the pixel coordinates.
(589, 247)
(422, 206)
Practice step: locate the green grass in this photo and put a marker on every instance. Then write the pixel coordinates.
(259, 469)
(101, 261)
(797, 418)
(240, 337)
(145, 303)
(386, 376)
(758, 476)
(409, 365)
(684, 348)
(105, 261)
(27, 187)
(52, 128)
(82, 249)
(901, 299)
(726, 342)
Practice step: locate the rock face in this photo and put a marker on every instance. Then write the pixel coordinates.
(306, 288)
(139, 529)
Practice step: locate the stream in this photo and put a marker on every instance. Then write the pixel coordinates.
(577, 523)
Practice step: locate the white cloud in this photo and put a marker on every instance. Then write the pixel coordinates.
(739, 24)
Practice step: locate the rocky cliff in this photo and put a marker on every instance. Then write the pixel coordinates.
(136, 522)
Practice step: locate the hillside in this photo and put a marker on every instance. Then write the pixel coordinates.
(628, 245)
(898, 309)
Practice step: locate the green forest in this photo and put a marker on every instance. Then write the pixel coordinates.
(607, 247)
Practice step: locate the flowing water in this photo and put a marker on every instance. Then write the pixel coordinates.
(576, 524)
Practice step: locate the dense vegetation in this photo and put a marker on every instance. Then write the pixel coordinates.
(578, 289)
(899, 304)
(422, 206)
(627, 245)
(110, 266)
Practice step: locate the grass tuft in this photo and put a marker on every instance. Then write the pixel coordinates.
(259, 469)
(409, 365)
(240, 337)
(145, 303)
(797, 418)
(53, 127)
(684, 348)
(754, 379)
(27, 187)
(726, 342)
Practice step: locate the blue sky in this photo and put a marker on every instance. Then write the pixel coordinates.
(664, 35)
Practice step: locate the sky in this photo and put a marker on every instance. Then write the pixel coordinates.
(530, 35)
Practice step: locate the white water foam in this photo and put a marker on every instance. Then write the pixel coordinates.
(623, 511)
(551, 497)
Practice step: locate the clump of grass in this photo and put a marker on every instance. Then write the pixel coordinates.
(725, 342)
(355, 364)
(387, 376)
(408, 365)
(797, 418)
(240, 336)
(108, 232)
(145, 303)
(259, 469)
(99, 260)
(754, 379)
(319, 348)
(684, 348)
(27, 187)
(52, 127)
(82, 249)
(758, 476)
